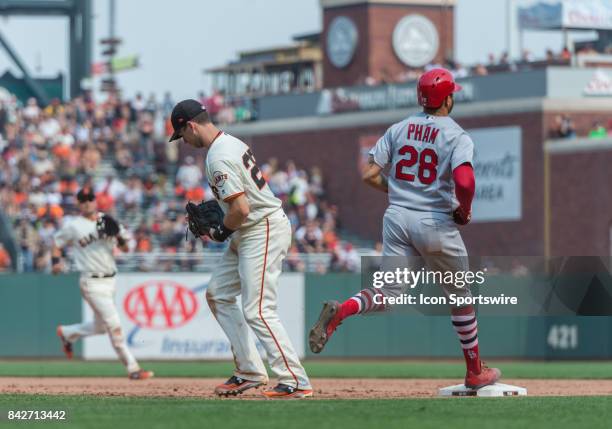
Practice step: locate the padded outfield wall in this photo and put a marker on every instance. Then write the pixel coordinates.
(32, 305)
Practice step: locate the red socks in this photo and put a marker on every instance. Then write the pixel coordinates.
(466, 327)
(347, 308)
(472, 359)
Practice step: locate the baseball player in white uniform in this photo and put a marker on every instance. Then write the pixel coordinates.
(92, 248)
(260, 238)
(431, 186)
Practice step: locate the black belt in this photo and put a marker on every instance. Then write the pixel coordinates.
(102, 276)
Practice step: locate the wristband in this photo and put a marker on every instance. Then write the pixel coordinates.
(221, 233)
(55, 260)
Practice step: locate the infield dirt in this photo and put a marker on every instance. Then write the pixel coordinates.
(325, 388)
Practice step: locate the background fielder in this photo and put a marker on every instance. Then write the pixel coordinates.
(250, 267)
(92, 246)
(430, 185)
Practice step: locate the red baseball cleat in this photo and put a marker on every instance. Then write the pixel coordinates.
(236, 385)
(485, 377)
(141, 374)
(321, 332)
(284, 391)
(66, 345)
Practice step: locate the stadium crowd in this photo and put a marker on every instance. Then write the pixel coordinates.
(564, 128)
(226, 108)
(494, 64)
(120, 149)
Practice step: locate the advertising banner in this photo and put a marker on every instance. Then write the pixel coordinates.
(592, 14)
(165, 316)
(497, 167)
(359, 98)
(572, 14)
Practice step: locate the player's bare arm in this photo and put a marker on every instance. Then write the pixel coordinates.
(123, 245)
(123, 240)
(237, 212)
(57, 265)
(374, 177)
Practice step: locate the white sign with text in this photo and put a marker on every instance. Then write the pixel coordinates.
(166, 316)
(498, 170)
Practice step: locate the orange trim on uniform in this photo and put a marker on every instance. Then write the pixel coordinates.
(216, 137)
(233, 197)
(263, 274)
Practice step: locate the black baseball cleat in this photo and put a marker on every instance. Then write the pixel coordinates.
(66, 345)
(236, 386)
(325, 326)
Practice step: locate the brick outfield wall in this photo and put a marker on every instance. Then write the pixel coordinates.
(581, 204)
(581, 194)
(337, 152)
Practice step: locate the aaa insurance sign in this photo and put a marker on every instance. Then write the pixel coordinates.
(165, 316)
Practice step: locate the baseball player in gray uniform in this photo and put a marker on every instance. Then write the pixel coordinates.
(431, 186)
(260, 236)
(93, 237)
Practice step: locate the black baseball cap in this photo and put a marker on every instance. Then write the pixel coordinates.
(86, 194)
(182, 113)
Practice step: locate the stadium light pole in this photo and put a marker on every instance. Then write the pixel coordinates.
(111, 34)
(111, 21)
(509, 26)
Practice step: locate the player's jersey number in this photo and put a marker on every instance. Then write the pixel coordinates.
(248, 159)
(427, 160)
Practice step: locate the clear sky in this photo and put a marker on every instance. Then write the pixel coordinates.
(177, 39)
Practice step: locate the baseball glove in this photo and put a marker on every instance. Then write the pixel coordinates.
(203, 217)
(107, 226)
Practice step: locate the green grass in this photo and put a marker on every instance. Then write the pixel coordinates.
(344, 369)
(135, 412)
(498, 413)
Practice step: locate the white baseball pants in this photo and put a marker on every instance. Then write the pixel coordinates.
(426, 239)
(251, 269)
(100, 294)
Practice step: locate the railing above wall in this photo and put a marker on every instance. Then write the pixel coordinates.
(206, 261)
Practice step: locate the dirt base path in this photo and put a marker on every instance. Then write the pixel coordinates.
(325, 388)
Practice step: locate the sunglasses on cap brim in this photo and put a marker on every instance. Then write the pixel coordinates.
(86, 199)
